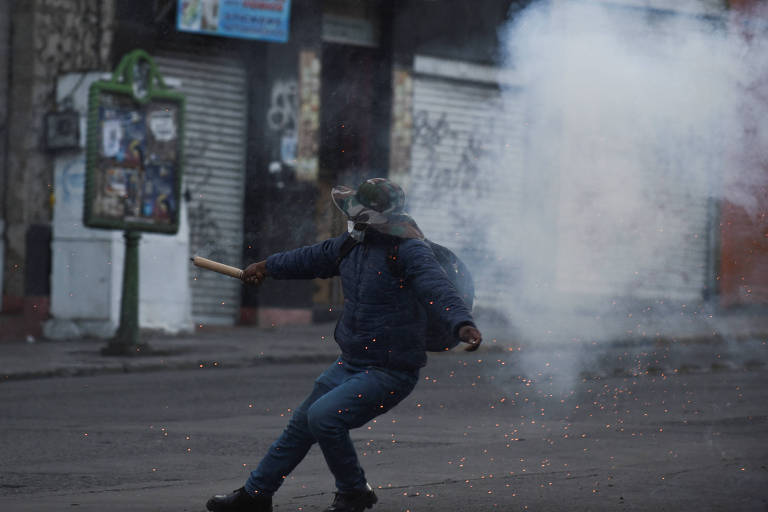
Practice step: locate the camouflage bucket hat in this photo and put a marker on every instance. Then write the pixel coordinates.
(378, 203)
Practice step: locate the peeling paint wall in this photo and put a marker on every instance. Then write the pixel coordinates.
(309, 115)
(401, 136)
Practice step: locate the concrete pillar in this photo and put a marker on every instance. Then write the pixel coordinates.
(5, 44)
(48, 38)
(27, 178)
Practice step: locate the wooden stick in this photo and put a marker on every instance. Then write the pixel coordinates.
(217, 267)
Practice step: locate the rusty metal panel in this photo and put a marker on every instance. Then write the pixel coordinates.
(744, 254)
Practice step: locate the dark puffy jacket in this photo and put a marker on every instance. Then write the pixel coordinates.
(385, 316)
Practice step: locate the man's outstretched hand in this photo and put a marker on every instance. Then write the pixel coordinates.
(255, 273)
(470, 335)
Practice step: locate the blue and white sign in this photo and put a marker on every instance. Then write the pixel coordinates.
(267, 20)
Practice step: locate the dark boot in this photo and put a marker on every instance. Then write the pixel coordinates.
(239, 501)
(353, 501)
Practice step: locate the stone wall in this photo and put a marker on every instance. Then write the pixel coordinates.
(49, 38)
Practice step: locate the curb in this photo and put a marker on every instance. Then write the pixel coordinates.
(145, 367)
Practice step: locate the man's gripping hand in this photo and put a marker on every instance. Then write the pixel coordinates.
(470, 335)
(255, 273)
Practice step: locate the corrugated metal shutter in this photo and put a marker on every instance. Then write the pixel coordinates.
(467, 164)
(215, 146)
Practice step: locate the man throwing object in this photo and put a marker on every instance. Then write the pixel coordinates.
(381, 334)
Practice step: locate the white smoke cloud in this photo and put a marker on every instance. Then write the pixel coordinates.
(635, 123)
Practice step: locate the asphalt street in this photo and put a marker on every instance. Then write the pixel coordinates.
(482, 431)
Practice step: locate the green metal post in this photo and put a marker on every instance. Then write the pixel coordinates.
(127, 340)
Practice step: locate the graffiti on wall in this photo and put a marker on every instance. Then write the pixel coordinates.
(205, 232)
(283, 118)
(70, 190)
(456, 172)
(475, 147)
(206, 235)
(462, 190)
(282, 114)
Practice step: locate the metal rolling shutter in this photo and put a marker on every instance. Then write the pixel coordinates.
(466, 165)
(215, 146)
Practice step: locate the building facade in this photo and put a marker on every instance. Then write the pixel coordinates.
(428, 93)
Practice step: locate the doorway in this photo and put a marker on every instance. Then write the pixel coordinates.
(355, 101)
(354, 123)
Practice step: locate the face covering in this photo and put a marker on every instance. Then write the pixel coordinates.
(356, 230)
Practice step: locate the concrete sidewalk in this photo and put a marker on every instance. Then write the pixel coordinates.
(229, 347)
(733, 340)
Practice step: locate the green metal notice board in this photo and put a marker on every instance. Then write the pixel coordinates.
(134, 150)
(133, 170)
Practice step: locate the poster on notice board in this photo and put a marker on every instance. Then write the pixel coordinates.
(267, 20)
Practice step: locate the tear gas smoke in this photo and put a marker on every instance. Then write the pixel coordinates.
(635, 124)
(634, 128)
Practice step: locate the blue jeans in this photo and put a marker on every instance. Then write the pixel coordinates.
(344, 397)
